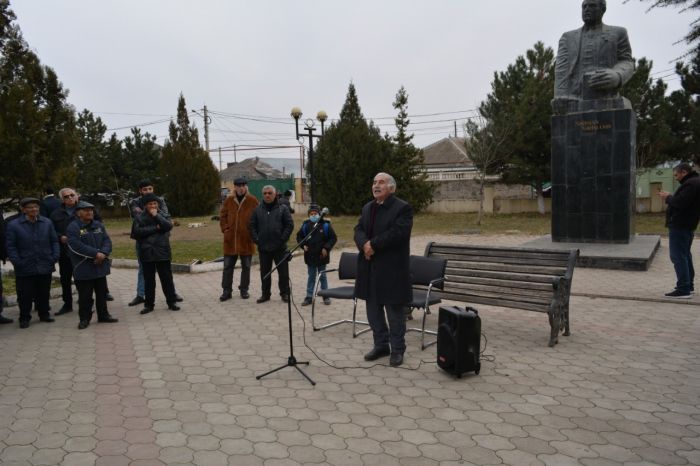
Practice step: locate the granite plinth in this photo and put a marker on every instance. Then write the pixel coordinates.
(635, 255)
(593, 181)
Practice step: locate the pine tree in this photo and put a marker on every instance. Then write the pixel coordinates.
(519, 102)
(93, 161)
(190, 180)
(406, 164)
(347, 158)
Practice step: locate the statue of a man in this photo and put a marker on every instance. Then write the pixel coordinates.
(593, 62)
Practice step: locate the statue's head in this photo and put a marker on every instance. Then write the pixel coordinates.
(592, 11)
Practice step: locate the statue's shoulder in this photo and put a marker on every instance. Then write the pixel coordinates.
(618, 30)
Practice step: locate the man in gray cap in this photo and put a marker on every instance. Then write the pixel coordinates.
(32, 247)
(89, 247)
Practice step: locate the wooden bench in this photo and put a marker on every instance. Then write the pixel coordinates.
(530, 279)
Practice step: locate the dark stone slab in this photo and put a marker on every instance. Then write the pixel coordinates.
(593, 166)
(636, 255)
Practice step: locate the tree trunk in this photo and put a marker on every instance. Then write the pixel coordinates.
(481, 199)
(540, 200)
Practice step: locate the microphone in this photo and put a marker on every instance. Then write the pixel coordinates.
(324, 212)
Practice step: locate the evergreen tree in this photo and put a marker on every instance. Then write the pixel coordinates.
(407, 162)
(190, 180)
(649, 102)
(519, 103)
(141, 155)
(93, 161)
(684, 112)
(693, 37)
(347, 158)
(38, 137)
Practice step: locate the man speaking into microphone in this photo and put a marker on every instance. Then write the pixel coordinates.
(383, 237)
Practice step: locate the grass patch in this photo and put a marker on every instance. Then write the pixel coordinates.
(205, 243)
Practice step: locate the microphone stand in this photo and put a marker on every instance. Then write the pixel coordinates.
(291, 360)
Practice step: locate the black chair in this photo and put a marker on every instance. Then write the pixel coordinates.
(347, 270)
(428, 274)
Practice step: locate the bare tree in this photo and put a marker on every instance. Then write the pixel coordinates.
(484, 144)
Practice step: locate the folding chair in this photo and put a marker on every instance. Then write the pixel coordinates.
(347, 270)
(426, 272)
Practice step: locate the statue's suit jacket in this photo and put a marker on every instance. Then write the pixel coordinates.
(614, 52)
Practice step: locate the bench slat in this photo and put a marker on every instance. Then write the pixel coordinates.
(497, 275)
(474, 298)
(524, 269)
(505, 260)
(490, 251)
(546, 287)
(501, 293)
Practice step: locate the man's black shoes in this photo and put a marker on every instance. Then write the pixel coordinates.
(23, 324)
(245, 294)
(109, 297)
(396, 359)
(225, 296)
(136, 301)
(83, 324)
(173, 307)
(107, 319)
(5, 320)
(263, 299)
(377, 353)
(677, 294)
(178, 298)
(285, 298)
(146, 310)
(48, 319)
(306, 302)
(64, 310)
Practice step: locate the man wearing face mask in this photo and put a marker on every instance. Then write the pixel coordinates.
(234, 219)
(317, 250)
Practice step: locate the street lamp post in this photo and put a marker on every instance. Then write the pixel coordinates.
(309, 127)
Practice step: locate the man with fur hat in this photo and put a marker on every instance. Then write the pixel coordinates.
(234, 219)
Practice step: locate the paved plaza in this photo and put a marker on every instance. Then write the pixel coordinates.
(177, 388)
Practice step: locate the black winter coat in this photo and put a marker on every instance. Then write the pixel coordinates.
(387, 271)
(153, 237)
(86, 241)
(272, 228)
(3, 249)
(318, 241)
(683, 207)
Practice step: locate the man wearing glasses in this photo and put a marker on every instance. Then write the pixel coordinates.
(270, 226)
(61, 217)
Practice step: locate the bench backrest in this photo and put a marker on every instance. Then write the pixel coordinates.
(532, 279)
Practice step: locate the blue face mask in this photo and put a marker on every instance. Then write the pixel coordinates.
(314, 218)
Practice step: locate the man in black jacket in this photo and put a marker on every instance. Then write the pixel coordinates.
(270, 226)
(682, 214)
(152, 231)
(61, 217)
(383, 238)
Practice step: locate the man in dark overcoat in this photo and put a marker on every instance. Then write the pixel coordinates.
(383, 238)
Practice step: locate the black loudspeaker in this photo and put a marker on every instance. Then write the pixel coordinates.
(459, 340)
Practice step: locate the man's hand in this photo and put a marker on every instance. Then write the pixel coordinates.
(324, 253)
(306, 248)
(604, 79)
(367, 249)
(64, 239)
(664, 194)
(100, 258)
(138, 210)
(153, 211)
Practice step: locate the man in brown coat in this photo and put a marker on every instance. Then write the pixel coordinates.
(234, 220)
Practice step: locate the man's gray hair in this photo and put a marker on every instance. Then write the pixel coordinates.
(269, 186)
(65, 190)
(389, 179)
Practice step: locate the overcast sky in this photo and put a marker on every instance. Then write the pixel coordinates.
(128, 60)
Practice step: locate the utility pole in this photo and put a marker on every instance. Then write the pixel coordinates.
(220, 158)
(455, 126)
(206, 130)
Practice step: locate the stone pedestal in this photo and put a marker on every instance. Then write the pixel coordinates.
(593, 174)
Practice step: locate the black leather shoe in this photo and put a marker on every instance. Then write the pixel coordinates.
(178, 298)
(136, 301)
(173, 307)
(64, 310)
(285, 298)
(377, 353)
(23, 324)
(5, 320)
(109, 297)
(48, 319)
(146, 310)
(245, 294)
(263, 299)
(225, 297)
(396, 359)
(107, 320)
(83, 325)
(306, 302)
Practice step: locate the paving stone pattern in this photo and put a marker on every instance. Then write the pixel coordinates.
(176, 388)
